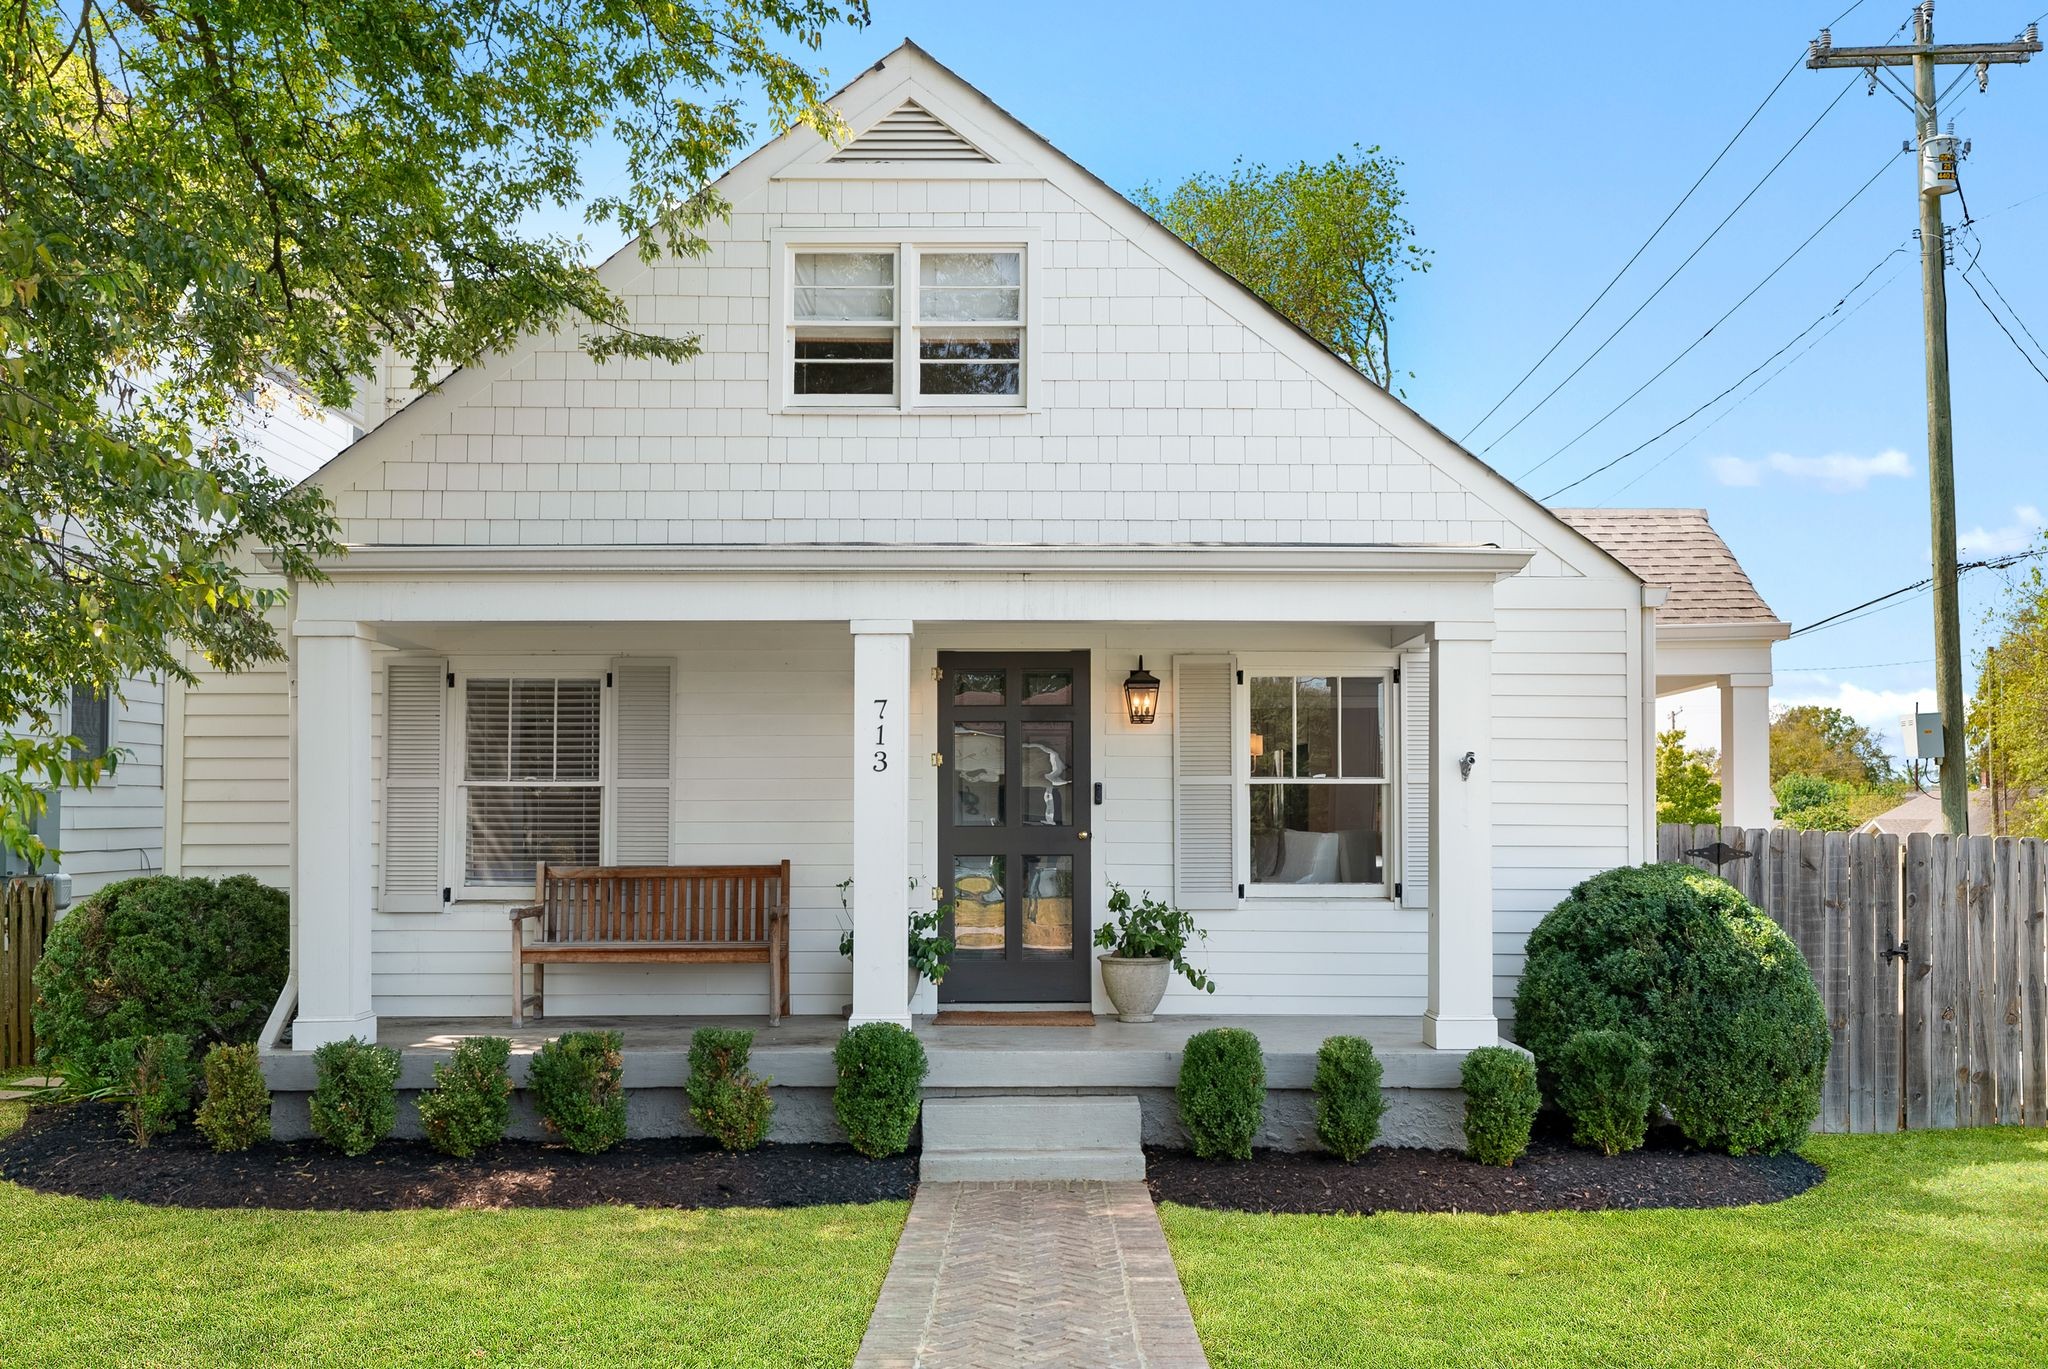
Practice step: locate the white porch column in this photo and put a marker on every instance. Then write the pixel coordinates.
(1460, 1014)
(1746, 798)
(331, 823)
(881, 818)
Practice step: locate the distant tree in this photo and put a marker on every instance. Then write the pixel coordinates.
(1687, 791)
(1324, 244)
(2009, 713)
(1828, 744)
(192, 195)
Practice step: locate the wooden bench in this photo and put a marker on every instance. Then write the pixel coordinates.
(653, 915)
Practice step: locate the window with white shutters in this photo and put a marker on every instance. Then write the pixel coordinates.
(531, 776)
(1317, 778)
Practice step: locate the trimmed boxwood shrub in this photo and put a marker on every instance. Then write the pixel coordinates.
(881, 1069)
(1348, 1101)
(470, 1104)
(159, 956)
(1501, 1099)
(355, 1094)
(1222, 1092)
(578, 1086)
(236, 1113)
(726, 1102)
(154, 1076)
(1677, 957)
(1603, 1085)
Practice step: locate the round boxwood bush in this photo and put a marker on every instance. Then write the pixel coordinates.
(160, 956)
(1222, 1092)
(1676, 957)
(470, 1104)
(236, 1113)
(578, 1086)
(355, 1094)
(1603, 1085)
(881, 1069)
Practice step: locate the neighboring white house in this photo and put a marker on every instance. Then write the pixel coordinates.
(861, 588)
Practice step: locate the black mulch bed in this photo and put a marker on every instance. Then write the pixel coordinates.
(82, 1152)
(1553, 1176)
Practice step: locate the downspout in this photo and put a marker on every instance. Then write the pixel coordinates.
(1646, 757)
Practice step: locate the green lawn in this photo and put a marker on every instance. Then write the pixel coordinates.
(1927, 1249)
(113, 1282)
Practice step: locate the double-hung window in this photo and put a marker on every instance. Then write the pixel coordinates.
(907, 326)
(531, 776)
(1317, 779)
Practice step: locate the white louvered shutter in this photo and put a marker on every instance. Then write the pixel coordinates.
(1414, 690)
(1204, 789)
(415, 710)
(643, 723)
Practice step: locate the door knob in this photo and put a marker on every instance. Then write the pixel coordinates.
(1083, 835)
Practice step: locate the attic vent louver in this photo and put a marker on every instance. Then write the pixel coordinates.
(911, 134)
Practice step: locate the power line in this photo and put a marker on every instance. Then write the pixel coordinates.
(1666, 367)
(1715, 232)
(1989, 563)
(2024, 356)
(1977, 265)
(1835, 669)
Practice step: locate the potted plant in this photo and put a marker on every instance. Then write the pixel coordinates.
(1147, 940)
(929, 952)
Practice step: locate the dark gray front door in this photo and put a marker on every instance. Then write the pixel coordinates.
(1014, 807)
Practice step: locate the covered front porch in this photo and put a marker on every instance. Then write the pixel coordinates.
(753, 705)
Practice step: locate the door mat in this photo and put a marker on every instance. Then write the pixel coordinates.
(953, 1018)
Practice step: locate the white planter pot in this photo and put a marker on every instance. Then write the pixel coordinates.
(1135, 985)
(910, 994)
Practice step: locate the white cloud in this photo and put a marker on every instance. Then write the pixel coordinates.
(2015, 536)
(1877, 709)
(1836, 473)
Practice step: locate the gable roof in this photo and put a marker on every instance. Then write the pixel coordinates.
(1678, 550)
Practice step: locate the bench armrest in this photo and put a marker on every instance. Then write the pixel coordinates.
(519, 915)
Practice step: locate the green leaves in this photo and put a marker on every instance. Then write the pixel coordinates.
(1687, 791)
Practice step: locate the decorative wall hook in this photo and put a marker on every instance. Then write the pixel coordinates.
(1465, 764)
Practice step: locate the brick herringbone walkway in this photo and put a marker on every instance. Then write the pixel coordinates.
(1032, 1274)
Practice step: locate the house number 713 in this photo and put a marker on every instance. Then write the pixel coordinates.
(881, 756)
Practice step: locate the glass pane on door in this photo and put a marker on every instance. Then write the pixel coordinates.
(1048, 906)
(978, 908)
(1048, 774)
(978, 773)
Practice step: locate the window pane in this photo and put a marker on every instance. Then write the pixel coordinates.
(961, 269)
(969, 306)
(576, 742)
(1363, 715)
(1048, 686)
(839, 269)
(978, 773)
(89, 722)
(533, 729)
(846, 286)
(510, 830)
(829, 364)
(1272, 732)
(486, 708)
(985, 363)
(1315, 725)
(857, 305)
(978, 687)
(970, 286)
(1048, 907)
(1318, 834)
(978, 928)
(1048, 774)
(994, 378)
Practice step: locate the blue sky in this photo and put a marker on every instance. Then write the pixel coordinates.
(1541, 145)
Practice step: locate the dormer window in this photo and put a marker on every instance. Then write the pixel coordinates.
(958, 310)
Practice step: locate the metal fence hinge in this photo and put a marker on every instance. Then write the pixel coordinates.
(1898, 952)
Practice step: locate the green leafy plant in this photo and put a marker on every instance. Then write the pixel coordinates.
(1501, 1099)
(160, 956)
(1222, 1092)
(578, 1086)
(726, 1102)
(153, 1079)
(1687, 791)
(355, 1094)
(236, 1113)
(470, 1104)
(1349, 1104)
(1678, 958)
(930, 952)
(881, 1069)
(1148, 929)
(1603, 1085)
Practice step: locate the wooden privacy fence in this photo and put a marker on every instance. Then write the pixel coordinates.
(1931, 955)
(26, 909)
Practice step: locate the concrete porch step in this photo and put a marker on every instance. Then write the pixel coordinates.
(1027, 1139)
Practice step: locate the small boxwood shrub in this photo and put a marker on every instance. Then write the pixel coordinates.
(154, 1077)
(1222, 1092)
(881, 1069)
(470, 1104)
(236, 1113)
(159, 956)
(578, 1086)
(1348, 1101)
(1501, 1099)
(355, 1094)
(726, 1102)
(1603, 1085)
(1678, 958)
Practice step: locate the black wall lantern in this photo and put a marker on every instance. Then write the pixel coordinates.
(1141, 694)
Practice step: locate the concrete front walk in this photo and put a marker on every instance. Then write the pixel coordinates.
(1032, 1274)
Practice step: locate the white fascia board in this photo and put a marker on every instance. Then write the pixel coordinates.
(1709, 634)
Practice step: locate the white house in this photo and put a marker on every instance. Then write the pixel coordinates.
(861, 588)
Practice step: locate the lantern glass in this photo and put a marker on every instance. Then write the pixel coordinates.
(1141, 694)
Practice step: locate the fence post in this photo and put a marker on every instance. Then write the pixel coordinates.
(26, 909)
(2034, 978)
(1978, 1073)
(2008, 911)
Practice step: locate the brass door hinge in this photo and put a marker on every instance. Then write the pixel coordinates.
(938, 673)
(938, 758)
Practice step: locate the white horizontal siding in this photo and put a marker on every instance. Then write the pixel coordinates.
(115, 830)
(235, 781)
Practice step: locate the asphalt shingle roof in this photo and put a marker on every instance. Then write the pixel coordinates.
(1678, 550)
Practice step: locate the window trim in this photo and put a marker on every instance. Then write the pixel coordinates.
(454, 787)
(1326, 664)
(907, 246)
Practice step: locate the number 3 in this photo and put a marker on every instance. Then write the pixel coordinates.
(881, 760)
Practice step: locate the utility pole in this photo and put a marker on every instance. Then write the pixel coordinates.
(1937, 177)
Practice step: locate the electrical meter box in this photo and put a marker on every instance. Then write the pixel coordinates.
(1927, 740)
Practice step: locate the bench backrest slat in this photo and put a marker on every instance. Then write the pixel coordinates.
(682, 904)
